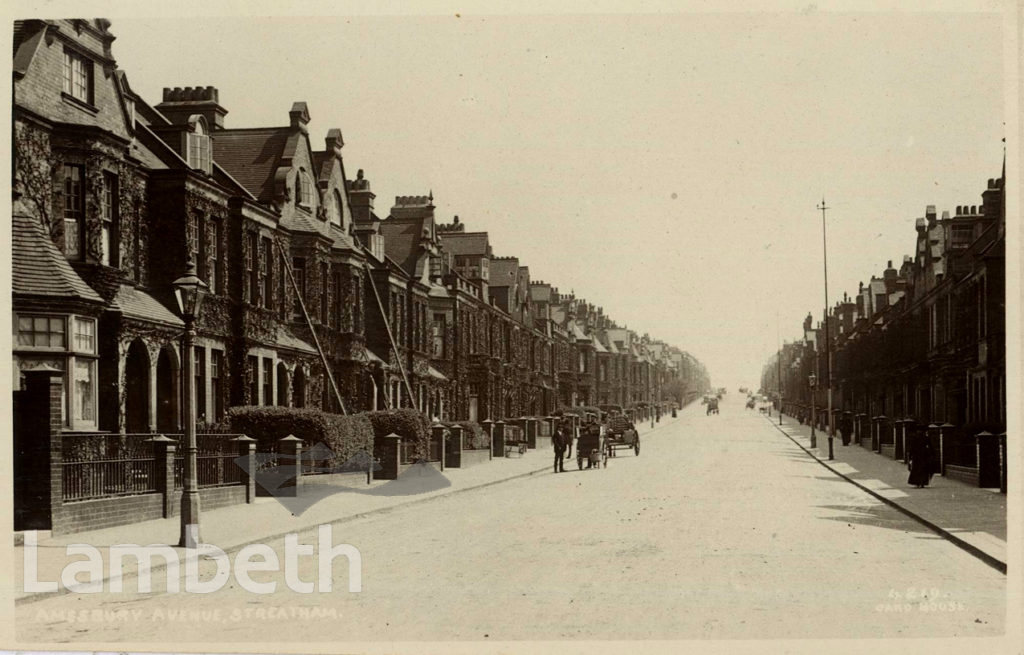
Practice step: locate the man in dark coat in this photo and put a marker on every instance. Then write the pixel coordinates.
(558, 441)
(920, 461)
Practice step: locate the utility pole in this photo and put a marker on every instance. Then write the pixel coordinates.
(828, 340)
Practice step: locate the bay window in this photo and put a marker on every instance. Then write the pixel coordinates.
(74, 210)
(109, 229)
(44, 340)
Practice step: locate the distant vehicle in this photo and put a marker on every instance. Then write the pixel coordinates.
(621, 433)
(712, 406)
(611, 410)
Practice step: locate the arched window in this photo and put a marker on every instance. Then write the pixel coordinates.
(199, 146)
(303, 189)
(336, 209)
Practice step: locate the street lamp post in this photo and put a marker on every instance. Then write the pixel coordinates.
(188, 290)
(780, 386)
(812, 380)
(828, 341)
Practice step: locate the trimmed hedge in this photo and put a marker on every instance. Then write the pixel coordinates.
(346, 436)
(474, 436)
(410, 424)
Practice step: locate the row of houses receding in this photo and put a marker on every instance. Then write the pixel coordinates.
(921, 347)
(113, 196)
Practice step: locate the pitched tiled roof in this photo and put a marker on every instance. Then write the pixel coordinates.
(579, 334)
(39, 269)
(504, 272)
(299, 221)
(136, 303)
(26, 41)
(286, 339)
(251, 156)
(464, 243)
(341, 238)
(401, 241)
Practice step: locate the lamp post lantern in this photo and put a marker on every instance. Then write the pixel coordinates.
(188, 290)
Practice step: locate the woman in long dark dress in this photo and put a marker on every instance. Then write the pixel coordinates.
(920, 461)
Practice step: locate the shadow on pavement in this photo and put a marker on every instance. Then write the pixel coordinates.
(876, 516)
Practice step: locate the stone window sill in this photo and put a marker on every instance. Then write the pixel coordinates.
(80, 104)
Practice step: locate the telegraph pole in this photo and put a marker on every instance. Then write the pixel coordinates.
(828, 340)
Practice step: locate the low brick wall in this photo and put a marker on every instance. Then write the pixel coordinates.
(544, 444)
(107, 513)
(474, 457)
(865, 442)
(968, 474)
(122, 510)
(213, 498)
(889, 450)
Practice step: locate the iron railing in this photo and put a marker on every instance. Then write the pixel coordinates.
(107, 465)
(215, 461)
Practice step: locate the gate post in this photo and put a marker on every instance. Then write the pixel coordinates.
(247, 450)
(164, 454)
(290, 448)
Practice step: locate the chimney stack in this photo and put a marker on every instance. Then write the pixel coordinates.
(361, 198)
(181, 103)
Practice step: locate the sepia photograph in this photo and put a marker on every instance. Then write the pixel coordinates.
(478, 327)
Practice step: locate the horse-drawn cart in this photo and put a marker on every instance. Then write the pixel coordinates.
(621, 433)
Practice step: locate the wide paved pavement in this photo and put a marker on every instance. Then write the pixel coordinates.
(721, 528)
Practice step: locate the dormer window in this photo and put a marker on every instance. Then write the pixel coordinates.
(303, 189)
(198, 145)
(77, 76)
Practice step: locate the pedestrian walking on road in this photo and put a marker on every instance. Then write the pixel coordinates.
(558, 442)
(920, 461)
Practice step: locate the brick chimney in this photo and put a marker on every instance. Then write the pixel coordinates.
(179, 104)
(890, 275)
(361, 198)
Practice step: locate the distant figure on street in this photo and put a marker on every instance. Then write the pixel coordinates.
(558, 442)
(846, 428)
(920, 461)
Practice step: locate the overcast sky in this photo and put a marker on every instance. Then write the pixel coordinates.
(666, 167)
